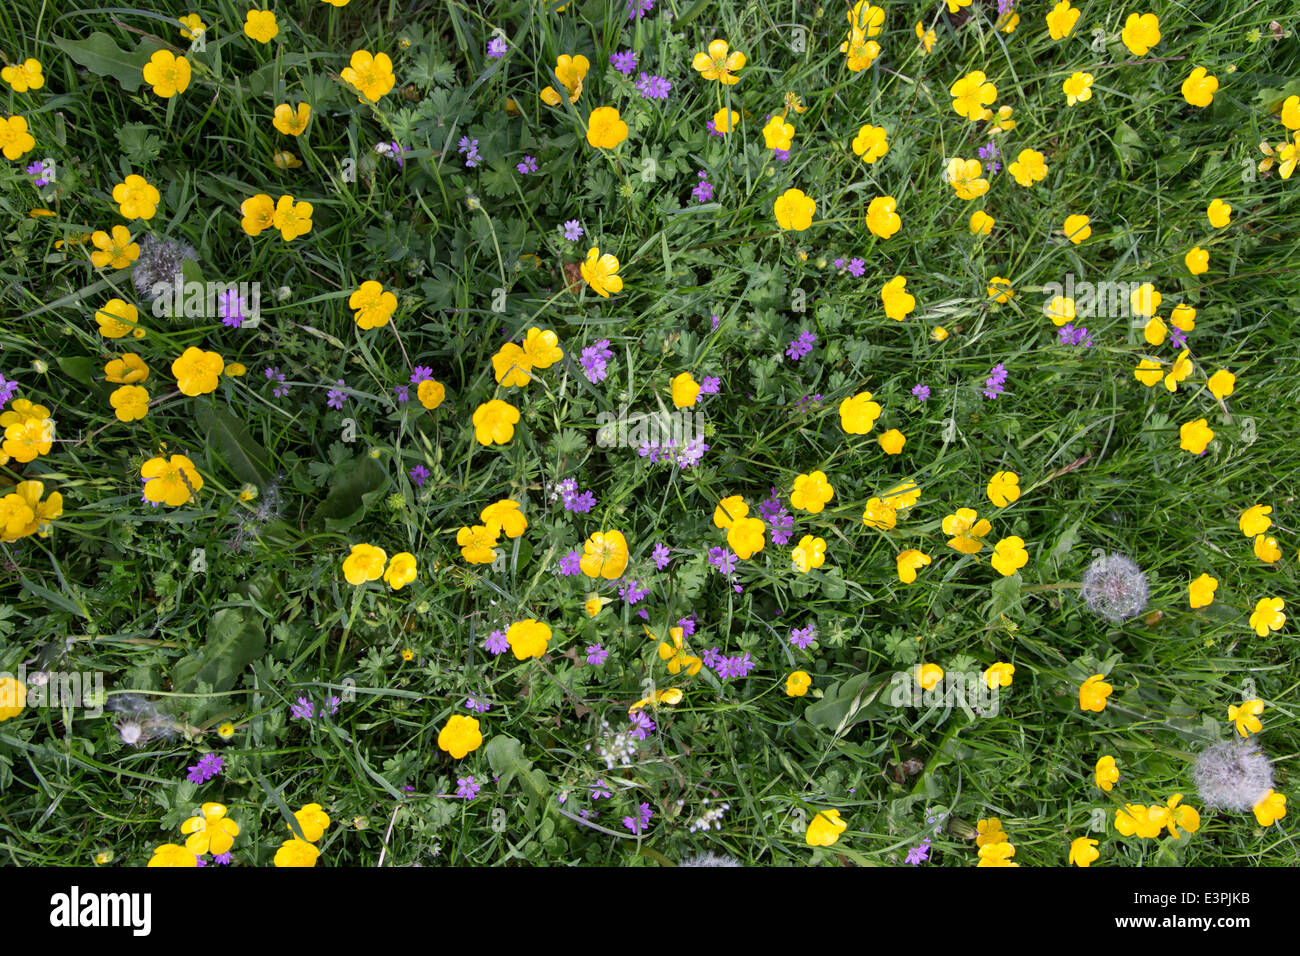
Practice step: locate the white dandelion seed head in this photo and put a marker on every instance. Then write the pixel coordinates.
(1232, 775)
(1115, 588)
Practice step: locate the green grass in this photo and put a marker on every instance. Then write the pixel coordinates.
(476, 258)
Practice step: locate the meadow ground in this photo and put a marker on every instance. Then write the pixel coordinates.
(571, 439)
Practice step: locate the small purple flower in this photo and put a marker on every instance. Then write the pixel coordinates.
(281, 389)
(922, 392)
(801, 346)
(838, 263)
(336, 396)
(624, 61)
(529, 165)
(724, 559)
(1177, 337)
(596, 655)
(572, 230)
(710, 385)
(333, 704)
(918, 854)
(716, 322)
(703, 191)
(631, 591)
(581, 504)
(38, 170)
(497, 48)
(595, 361)
(857, 267)
(469, 148)
(598, 790)
(403, 392)
(7, 389)
(638, 823)
(231, 307)
(467, 788)
(209, 766)
(687, 624)
(421, 373)
(419, 474)
(802, 637)
(653, 87)
(641, 724)
(993, 384)
(636, 9)
(661, 555)
(496, 643)
(569, 564)
(779, 521)
(729, 667)
(476, 705)
(222, 859)
(782, 155)
(711, 658)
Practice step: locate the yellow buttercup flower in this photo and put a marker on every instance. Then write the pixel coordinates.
(892, 442)
(1246, 716)
(170, 854)
(296, 853)
(605, 128)
(459, 736)
(372, 305)
(127, 370)
(729, 509)
(130, 403)
(1199, 87)
(1268, 616)
(898, 302)
(570, 71)
(1083, 851)
(431, 393)
(1077, 88)
(371, 75)
(1221, 383)
(745, 537)
(1029, 167)
(601, 273)
(313, 821)
(506, 516)
(1093, 693)
(1200, 593)
(528, 638)
(981, 223)
(999, 290)
(292, 219)
(401, 570)
(719, 63)
(494, 422)
(24, 76)
(1077, 228)
(171, 481)
(213, 832)
(999, 674)
(966, 526)
(972, 94)
(1270, 809)
(1061, 20)
(135, 198)
(871, 143)
(858, 414)
(685, 389)
(966, 176)
(1003, 488)
(605, 555)
(477, 544)
(811, 492)
(1009, 556)
(13, 698)
(1195, 436)
(1141, 32)
(809, 553)
(882, 219)
(198, 372)
(797, 684)
(291, 121)
(364, 563)
(1106, 774)
(168, 74)
(260, 25)
(116, 250)
(825, 828)
(794, 210)
(928, 675)
(909, 562)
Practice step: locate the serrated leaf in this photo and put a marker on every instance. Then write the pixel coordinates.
(235, 639)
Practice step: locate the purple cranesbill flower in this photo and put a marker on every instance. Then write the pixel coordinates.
(572, 230)
(779, 521)
(782, 155)
(497, 48)
(476, 705)
(529, 165)
(838, 263)
(467, 788)
(993, 384)
(716, 322)
(7, 389)
(598, 790)
(333, 704)
(729, 667)
(1177, 337)
(496, 643)
(419, 474)
(595, 360)
(274, 374)
(711, 658)
(802, 637)
(638, 823)
(710, 385)
(703, 190)
(303, 710)
(222, 859)
(569, 564)
(641, 724)
(581, 504)
(209, 766)
(230, 305)
(624, 61)
(421, 373)
(596, 655)
(631, 591)
(38, 170)
(918, 854)
(636, 9)
(469, 148)
(857, 267)
(403, 392)
(336, 396)
(724, 559)
(1004, 7)
(687, 624)
(922, 392)
(801, 346)
(661, 555)
(653, 87)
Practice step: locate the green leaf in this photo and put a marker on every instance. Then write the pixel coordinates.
(101, 56)
(355, 486)
(1006, 596)
(230, 443)
(78, 367)
(235, 639)
(848, 703)
(505, 756)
